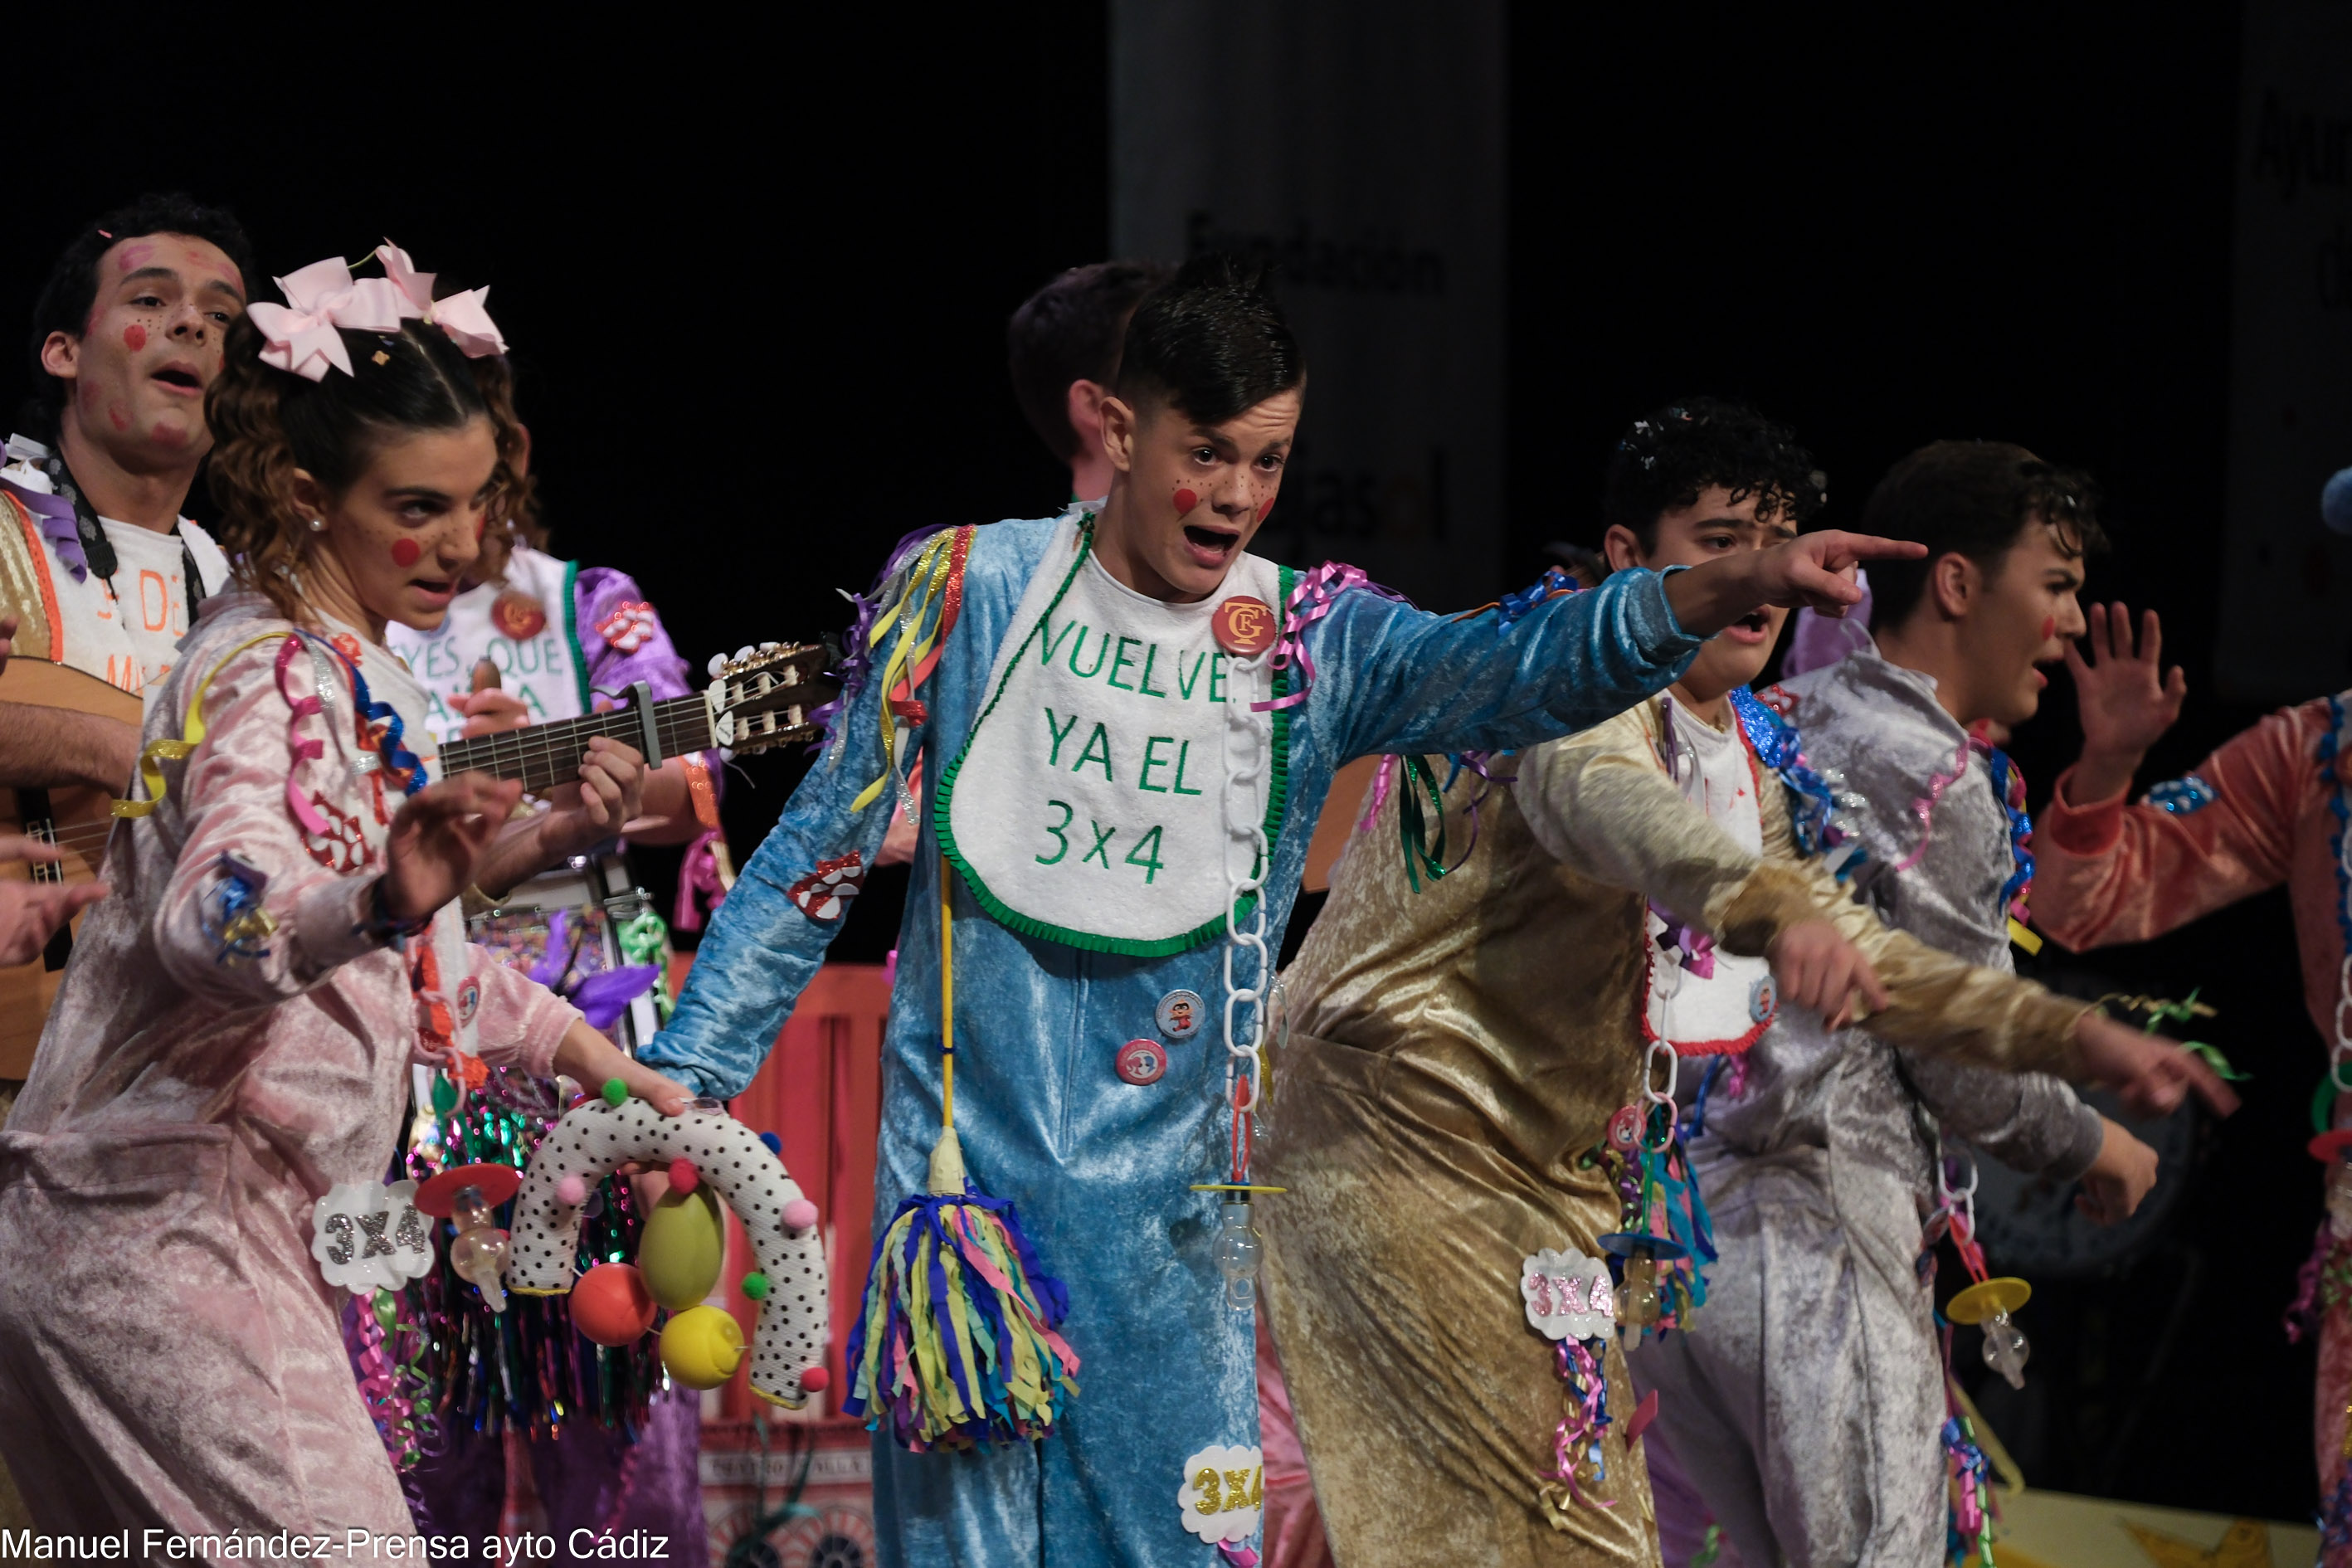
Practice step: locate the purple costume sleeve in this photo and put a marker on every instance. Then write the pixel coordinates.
(602, 599)
(600, 592)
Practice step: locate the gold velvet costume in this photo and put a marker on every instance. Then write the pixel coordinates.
(1454, 1052)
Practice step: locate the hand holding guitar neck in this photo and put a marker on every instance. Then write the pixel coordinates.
(488, 708)
(31, 912)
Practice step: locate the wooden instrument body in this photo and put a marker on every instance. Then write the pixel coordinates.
(78, 819)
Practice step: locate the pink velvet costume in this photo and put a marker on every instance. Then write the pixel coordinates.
(169, 1352)
(2258, 811)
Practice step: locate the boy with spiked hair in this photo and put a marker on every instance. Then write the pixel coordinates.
(1121, 711)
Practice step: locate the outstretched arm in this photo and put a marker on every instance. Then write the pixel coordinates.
(1600, 804)
(1428, 683)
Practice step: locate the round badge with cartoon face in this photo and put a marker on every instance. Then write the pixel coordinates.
(1141, 1062)
(517, 616)
(1762, 1000)
(1626, 1129)
(1244, 626)
(1179, 1015)
(469, 998)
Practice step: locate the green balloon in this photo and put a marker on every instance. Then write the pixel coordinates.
(683, 1247)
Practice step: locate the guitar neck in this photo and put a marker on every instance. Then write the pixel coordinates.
(546, 756)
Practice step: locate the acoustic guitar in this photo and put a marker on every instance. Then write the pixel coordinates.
(76, 820)
(758, 701)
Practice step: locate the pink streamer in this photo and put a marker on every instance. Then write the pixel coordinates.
(304, 706)
(698, 886)
(1382, 783)
(1580, 1427)
(1311, 601)
(1925, 807)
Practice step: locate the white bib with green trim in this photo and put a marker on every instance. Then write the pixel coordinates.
(1087, 806)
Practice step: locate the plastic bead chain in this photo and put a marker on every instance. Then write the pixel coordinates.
(1248, 746)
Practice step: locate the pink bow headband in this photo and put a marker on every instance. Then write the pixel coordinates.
(301, 335)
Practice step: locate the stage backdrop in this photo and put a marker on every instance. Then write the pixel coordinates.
(1358, 144)
(2286, 605)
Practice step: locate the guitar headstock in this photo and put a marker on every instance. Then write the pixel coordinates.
(762, 697)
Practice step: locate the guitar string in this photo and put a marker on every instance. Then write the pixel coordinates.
(542, 756)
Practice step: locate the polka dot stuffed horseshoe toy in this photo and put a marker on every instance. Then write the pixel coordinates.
(596, 1137)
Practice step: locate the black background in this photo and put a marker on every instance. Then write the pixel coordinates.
(756, 276)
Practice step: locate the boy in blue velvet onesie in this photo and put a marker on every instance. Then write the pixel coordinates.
(1129, 724)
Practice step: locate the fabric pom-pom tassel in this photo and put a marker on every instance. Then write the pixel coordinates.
(956, 1340)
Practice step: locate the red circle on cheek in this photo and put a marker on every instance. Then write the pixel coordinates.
(2049, 628)
(1185, 501)
(134, 337)
(1264, 508)
(405, 553)
(481, 526)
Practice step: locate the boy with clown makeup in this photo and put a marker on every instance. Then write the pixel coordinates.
(1128, 723)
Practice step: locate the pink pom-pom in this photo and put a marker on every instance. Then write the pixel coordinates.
(799, 1215)
(683, 1177)
(815, 1379)
(571, 1192)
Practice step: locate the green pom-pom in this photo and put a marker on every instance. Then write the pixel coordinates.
(445, 1095)
(616, 1093)
(755, 1286)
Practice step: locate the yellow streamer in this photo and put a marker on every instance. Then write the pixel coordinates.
(156, 753)
(914, 644)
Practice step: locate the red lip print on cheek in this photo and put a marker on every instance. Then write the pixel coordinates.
(134, 337)
(405, 551)
(1185, 501)
(118, 419)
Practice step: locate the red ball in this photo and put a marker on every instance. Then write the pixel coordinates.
(611, 1304)
(815, 1379)
(683, 1177)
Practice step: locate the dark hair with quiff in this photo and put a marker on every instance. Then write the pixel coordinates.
(1210, 343)
(1975, 498)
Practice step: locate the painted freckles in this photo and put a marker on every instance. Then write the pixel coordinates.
(405, 551)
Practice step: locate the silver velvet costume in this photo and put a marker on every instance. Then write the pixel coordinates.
(1808, 1405)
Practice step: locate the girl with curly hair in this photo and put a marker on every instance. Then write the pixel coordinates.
(233, 1039)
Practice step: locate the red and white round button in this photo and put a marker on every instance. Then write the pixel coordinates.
(1244, 626)
(1141, 1062)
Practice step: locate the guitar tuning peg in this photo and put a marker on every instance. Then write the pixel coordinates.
(743, 653)
(770, 646)
(716, 666)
